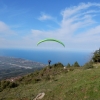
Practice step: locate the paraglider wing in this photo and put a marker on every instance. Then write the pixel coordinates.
(49, 39)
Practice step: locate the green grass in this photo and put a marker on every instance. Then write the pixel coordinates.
(79, 84)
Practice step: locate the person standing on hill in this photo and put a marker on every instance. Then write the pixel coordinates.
(49, 61)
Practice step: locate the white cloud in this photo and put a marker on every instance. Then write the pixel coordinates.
(6, 36)
(78, 30)
(5, 29)
(80, 9)
(78, 27)
(45, 17)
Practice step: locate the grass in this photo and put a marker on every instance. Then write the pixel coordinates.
(78, 84)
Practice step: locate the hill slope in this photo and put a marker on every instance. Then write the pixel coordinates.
(57, 84)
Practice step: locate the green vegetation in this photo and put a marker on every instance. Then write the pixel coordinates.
(7, 84)
(68, 65)
(72, 83)
(96, 56)
(76, 64)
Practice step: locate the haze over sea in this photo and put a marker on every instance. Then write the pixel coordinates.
(43, 56)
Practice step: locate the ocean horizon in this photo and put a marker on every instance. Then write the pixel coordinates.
(43, 56)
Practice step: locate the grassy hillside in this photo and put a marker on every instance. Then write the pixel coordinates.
(73, 83)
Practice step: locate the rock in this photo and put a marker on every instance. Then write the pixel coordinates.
(39, 96)
(64, 67)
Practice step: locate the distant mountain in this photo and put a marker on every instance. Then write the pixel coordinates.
(12, 67)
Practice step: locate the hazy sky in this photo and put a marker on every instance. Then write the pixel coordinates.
(74, 22)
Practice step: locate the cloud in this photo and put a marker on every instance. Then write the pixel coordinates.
(78, 29)
(79, 16)
(6, 36)
(5, 29)
(80, 9)
(45, 17)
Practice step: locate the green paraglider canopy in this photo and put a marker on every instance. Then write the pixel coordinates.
(50, 39)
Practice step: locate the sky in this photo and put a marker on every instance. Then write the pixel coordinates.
(76, 23)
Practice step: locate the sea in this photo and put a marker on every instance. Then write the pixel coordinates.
(43, 56)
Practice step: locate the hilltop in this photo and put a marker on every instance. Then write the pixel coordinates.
(56, 82)
(73, 83)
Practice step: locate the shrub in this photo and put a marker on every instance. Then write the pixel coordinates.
(7, 84)
(4, 84)
(37, 80)
(13, 85)
(1, 89)
(88, 66)
(58, 65)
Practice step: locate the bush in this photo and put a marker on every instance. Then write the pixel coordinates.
(58, 65)
(13, 85)
(37, 80)
(1, 89)
(7, 84)
(88, 66)
(4, 84)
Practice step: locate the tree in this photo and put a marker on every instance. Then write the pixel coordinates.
(60, 64)
(76, 64)
(68, 65)
(96, 56)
